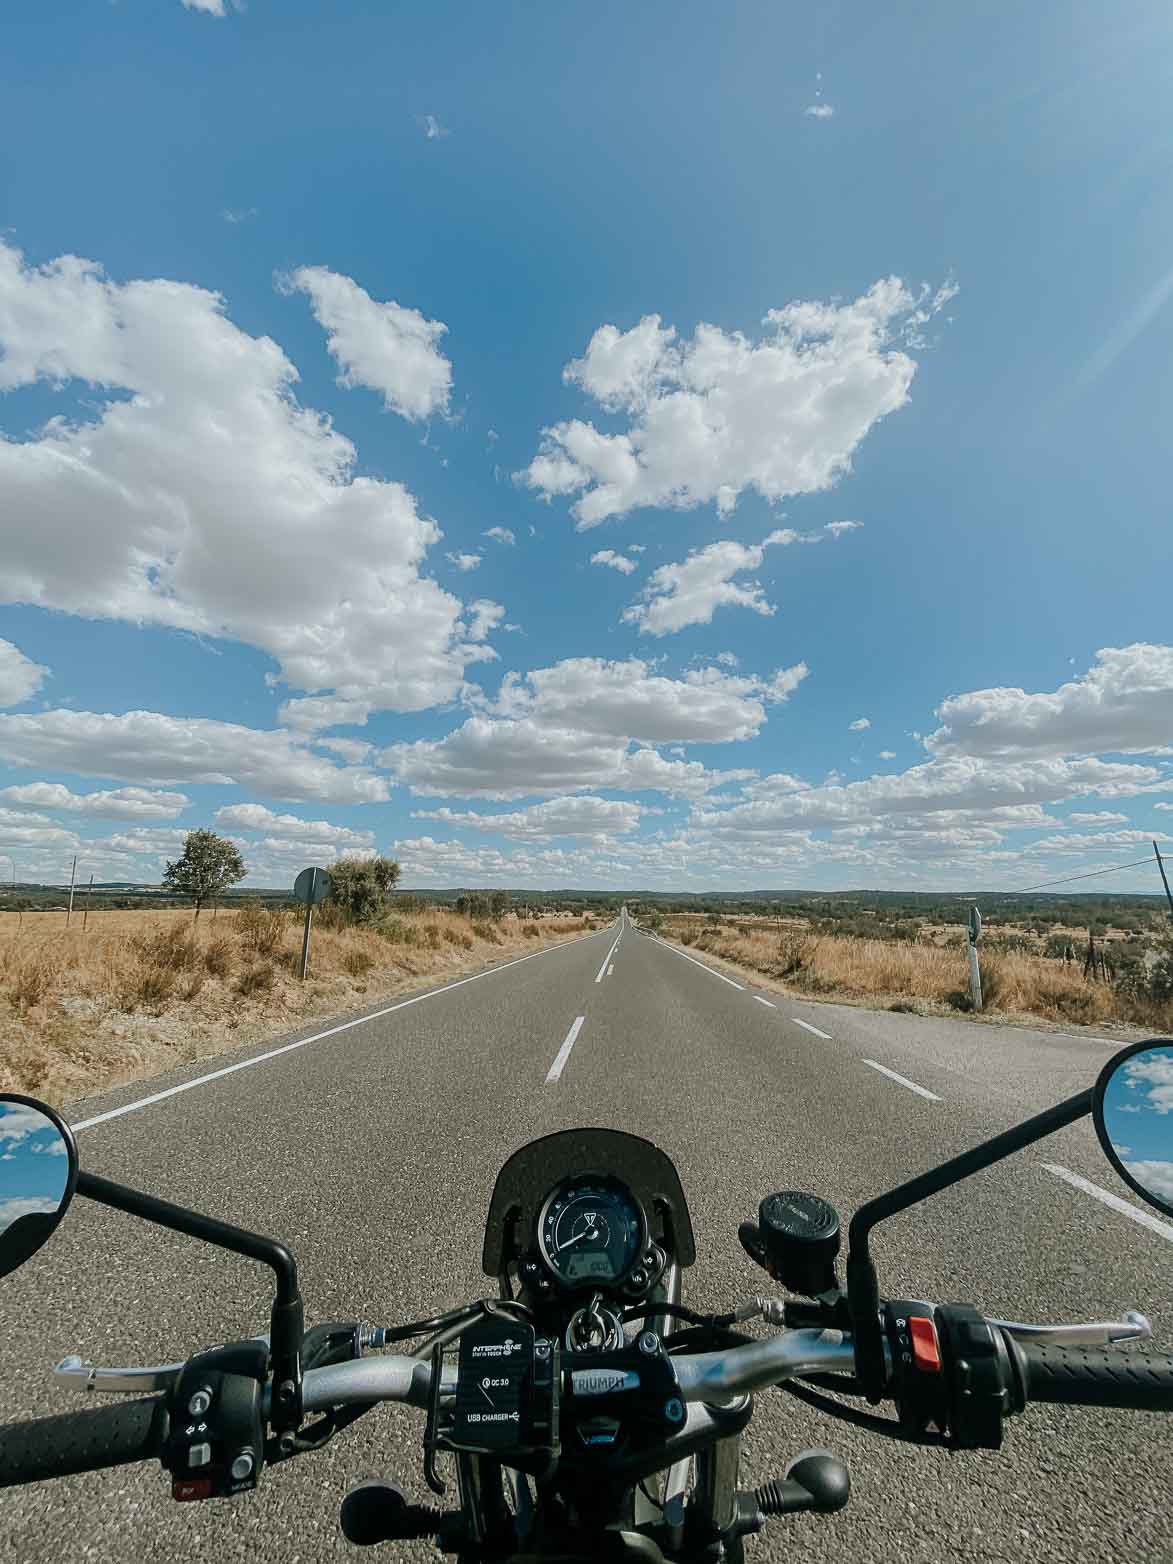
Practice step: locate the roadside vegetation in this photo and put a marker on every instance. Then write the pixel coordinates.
(138, 992)
(1059, 975)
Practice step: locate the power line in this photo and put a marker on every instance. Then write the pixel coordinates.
(1021, 890)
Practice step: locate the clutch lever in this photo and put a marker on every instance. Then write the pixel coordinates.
(1100, 1333)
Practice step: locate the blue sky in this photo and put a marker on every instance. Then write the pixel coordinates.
(685, 287)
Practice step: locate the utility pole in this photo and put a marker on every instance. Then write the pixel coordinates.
(1164, 877)
(72, 879)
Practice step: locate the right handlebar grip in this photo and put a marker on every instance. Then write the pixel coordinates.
(1098, 1377)
(82, 1441)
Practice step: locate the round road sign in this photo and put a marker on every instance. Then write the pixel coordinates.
(312, 886)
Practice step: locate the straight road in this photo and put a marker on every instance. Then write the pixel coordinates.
(372, 1149)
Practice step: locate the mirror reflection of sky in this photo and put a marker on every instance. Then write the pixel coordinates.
(1138, 1113)
(34, 1163)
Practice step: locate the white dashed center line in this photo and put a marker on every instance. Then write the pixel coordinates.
(563, 1054)
(903, 1080)
(1153, 1223)
(826, 1036)
(765, 1002)
(602, 972)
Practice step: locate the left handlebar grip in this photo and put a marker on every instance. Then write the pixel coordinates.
(82, 1441)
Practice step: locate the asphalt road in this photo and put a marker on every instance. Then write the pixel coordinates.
(372, 1152)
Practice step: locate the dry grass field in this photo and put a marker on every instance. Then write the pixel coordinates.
(137, 993)
(919, 976)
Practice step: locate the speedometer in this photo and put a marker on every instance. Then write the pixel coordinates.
(591, 1231)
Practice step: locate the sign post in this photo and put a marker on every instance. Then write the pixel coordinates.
(310, 887)
(975, 975)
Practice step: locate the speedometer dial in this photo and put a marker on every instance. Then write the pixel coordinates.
(591, 1231)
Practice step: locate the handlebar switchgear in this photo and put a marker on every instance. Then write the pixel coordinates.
(215, 1447)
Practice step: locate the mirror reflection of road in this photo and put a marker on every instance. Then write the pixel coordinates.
(373, 1152)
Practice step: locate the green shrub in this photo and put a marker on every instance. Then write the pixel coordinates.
(360, 885)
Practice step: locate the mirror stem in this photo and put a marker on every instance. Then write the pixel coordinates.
(863, 1294)
(287, 1319)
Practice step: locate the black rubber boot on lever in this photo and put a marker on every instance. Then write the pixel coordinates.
(816, 1480)
(379, 1512)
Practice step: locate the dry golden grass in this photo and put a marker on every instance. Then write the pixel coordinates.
(138, 993)
(880, 972)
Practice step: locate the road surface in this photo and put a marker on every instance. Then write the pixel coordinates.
(372, 1150)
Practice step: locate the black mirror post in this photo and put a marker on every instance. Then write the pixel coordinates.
(287, 1320)
(863, 1292)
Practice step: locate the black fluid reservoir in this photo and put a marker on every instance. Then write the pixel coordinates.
(796, 1239)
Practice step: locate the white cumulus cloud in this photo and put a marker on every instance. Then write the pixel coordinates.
(148, 746)
(124, 803)
(859, 724)
(464, 562)
(719, 413)
(1122, 705)
(585, 816)
(383, 346)
(255, 817)
(690, 592)
(620, 562)
(819, 111)
(504, 535)
(208, 498)
(20, 677)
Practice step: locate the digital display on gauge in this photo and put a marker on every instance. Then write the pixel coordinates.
(591, 1230)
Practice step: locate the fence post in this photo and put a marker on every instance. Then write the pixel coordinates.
(72, 878)
(975, 973)
(85, 917)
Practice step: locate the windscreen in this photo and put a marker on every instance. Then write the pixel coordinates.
(531, 1172)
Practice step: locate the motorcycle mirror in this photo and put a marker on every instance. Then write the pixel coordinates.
(1132, 1107)
(38, 1175)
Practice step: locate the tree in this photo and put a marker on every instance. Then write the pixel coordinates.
(360, 887)
(209, 865)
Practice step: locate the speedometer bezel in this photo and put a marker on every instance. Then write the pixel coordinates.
(624, 1190)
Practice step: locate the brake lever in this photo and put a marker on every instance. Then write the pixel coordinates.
(1097, 1333)
(75, 1374)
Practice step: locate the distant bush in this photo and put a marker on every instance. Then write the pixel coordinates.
(398, 932)
(531, 931)
(487, 932)
(359, 887)
(357, 962)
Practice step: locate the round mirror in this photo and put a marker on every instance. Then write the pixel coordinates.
(38, 1172)
(1133, 1110)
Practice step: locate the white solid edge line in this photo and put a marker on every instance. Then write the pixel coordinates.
(345, 1026)
(768, 1003)
(563, 1053)
(1153, 1223)
(610, 969)
(710, 970)
(903, 1080)
(825, 1035)
(606, 959)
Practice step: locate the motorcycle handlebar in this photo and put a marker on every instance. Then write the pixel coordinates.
(130, 1431)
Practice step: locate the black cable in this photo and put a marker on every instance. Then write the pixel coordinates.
(676, 1311)
(709, 1336)
(454, 1316)
(861, 1419)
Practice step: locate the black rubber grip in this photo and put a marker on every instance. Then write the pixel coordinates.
(1098, 1377)
(111, 1435)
